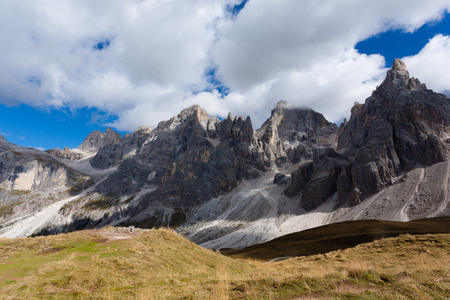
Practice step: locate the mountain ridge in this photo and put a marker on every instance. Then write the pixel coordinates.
(223, 184)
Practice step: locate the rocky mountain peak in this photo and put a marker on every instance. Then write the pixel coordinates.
(400, 126)
(295, 124)
(291, 134)
(2, 139)
(397, 79)
(144, 129)
(398, 66)
(280, 105)
(97, 139)
(193, 113)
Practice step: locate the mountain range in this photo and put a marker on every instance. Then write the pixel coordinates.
(222, 184)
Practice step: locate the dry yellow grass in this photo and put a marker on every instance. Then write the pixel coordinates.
(160, 264)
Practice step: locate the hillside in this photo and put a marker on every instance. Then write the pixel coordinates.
(337, 236)
(128, 263)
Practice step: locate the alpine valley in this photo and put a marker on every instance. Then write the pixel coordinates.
(222, 184)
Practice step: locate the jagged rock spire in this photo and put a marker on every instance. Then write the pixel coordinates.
(397, 78)
(97, 139)
(398, 66)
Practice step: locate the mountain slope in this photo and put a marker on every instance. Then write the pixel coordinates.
(222, 184)
(400, 127)
(390, 163)
(32, 181)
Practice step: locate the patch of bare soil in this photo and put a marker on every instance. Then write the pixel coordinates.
(349, 287)
(120, 233)
(52, 250)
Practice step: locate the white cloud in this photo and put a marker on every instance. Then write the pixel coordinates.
(38, 148)
(269, 38)
(433, 64)
(159, 52)
(4, 133)
(305, 51)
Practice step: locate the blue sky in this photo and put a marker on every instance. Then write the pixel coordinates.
(71, 68)
(46, 129)
(397, 43)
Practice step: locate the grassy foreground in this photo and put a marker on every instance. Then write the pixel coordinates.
(159, 264)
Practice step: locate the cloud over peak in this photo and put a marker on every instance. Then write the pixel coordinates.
(144, 61)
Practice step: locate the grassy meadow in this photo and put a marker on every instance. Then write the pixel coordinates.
(117, 263)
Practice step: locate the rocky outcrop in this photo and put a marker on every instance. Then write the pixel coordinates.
(317, 180)
(292, 134)
(31, 180)
(114, 152)
(280, 179)
(26, 169)
(403, 125)
(185, 161)
(65, 153)
(97, 139)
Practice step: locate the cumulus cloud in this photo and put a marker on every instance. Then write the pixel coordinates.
(304, 53)
(144, 61)
(432, 64)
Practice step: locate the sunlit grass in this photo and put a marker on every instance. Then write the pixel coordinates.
(160, 264)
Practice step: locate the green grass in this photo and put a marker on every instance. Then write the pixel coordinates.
(101, 203)
(18, 192)
(160, 264)
(8, 209)
(74, 203)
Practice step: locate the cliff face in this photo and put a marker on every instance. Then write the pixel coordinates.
(292, 135)
(31, 180)
(29, 170)
(185, 161)
(401, 126)
(192, 158)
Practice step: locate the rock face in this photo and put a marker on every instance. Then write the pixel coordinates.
(222, 184)
(292, 134)
(193, 158)
(97, 139)
(112, 153)
(28, 169)
(65, 153)
(401, 126)
(185, 161)
(31, 180)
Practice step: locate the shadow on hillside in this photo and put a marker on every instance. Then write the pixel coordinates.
(337, 236)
